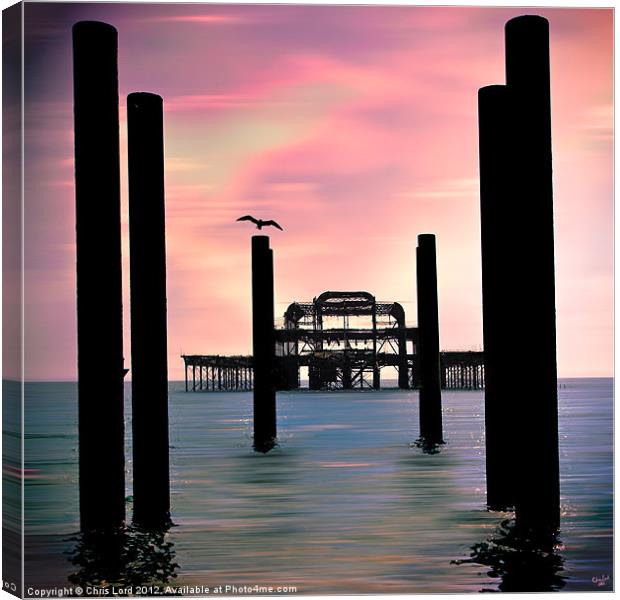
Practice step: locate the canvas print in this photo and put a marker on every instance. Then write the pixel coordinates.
(306, 299)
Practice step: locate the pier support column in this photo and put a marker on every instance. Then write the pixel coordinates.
(99, 279)
(500, 304)
(149, 345)
(403, 375)
(527, 76)
(347, 378)
(403, 371)
(516, 199)
(428, 342)
(263, 344)
(376, 378)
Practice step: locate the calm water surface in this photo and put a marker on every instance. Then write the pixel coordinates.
(345, 504)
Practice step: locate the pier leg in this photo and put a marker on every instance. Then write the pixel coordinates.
(415, 367)
(403, 375)
(263, 344)
(527, 75)
(347, 382)
(500, 246)
(149, 341)
(149, 346)
(428, 331)
(376, 378)
(99, 278)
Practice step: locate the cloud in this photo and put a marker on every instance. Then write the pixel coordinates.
(203, 19)
(456, 188)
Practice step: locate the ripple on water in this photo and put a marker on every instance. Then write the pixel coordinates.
(343, 504)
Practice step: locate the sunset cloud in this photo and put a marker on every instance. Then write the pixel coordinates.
(218, 19)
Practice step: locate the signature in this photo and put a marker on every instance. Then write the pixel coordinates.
(600, 581)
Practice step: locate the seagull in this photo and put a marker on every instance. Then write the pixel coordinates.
(259, 222)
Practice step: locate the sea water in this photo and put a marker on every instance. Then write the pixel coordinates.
(346, 503)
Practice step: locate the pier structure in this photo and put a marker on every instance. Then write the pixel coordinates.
(216, 373)
(99, 277)
(344, 339)
(462, 370)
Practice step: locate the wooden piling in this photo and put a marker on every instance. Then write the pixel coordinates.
(527, 76)
(428, 331)
(263, 344)
(99, 278)
(500, 248)
(149, 345)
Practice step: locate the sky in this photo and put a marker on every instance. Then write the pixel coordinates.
(355, 127)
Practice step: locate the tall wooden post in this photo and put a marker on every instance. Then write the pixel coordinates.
(501, 261)
(149, 347)
(99, 279)
(516, 200)
(428, 341)
(263, 344)
(528, 78)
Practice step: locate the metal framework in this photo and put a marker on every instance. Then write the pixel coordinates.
(462, 370)
(344, 339)
(221, 373)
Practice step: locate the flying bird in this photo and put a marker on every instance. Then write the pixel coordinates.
(259, 222)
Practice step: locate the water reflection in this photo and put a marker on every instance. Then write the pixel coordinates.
(343, 506)
(264, 446)
(122, 558)
(427, 446)
(525, 562)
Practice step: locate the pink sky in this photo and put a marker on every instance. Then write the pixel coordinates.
(355, 128)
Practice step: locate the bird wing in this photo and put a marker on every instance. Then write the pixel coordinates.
(248, 218)
(272, 223)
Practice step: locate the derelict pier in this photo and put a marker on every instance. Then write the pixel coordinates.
(344, 340)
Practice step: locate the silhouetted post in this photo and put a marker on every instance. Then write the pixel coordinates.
(347, 383)
(502, 250)
(99, 280)
(263, 344)
(149, 349)
(376, 373)
(403, 368)
(527, 76)
(428, 341)
(376, 377)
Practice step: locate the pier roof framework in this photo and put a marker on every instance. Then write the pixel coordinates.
(344, 338)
